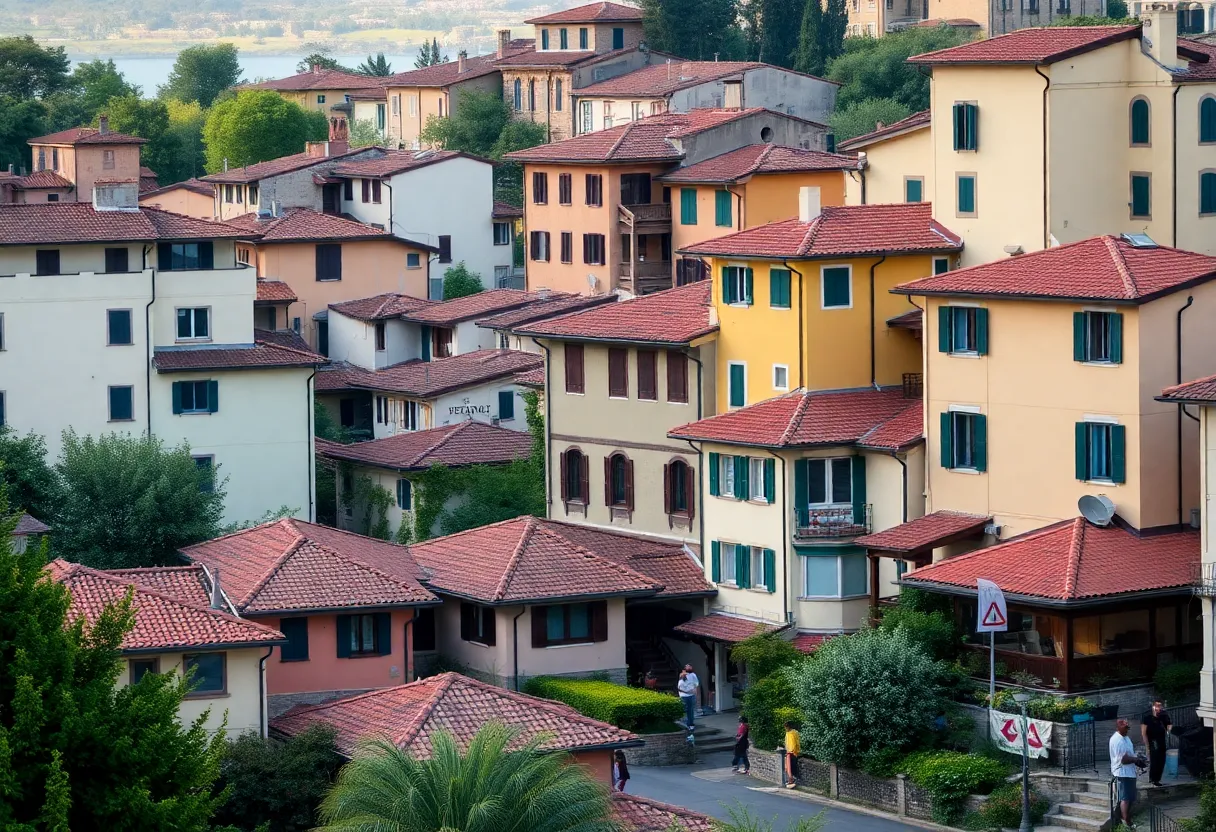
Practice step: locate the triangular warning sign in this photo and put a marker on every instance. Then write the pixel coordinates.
(993, 617)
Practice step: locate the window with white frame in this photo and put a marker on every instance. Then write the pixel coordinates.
(588, 117)
(194, 324)
(759, 568)
(729, 562)
(726, 474)
(834, 576)
(755, 479)
(830, 481)
(781, 377)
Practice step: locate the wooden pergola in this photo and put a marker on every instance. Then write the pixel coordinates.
(913, 542)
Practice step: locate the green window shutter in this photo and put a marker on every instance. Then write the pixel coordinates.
(973, 126)
(713, 474)
(747, 287)
(1141, 196)
(343, 636)
(743, 563)
(736, 392)
(384, 633)
(947, 441)
(1116, 337)
(770, 570)
(912, 190)
(981, 331)
(426, 342)
(213, 397)
(722, 209)
(728, 285)
(1207, 192)
(980, 434)
(688, 206)
(1207, 120)
(958, 126)
(1118, 453)
(741, 484)
(779, 288)
(1078, 336)
(800, 483)
(715, 562)
(859, 488)
(1082, 450)
(837, 287)
(177, 397)
(1140, 129)
(506, 405)
(966, 194)
(770, 480)
(945, 328)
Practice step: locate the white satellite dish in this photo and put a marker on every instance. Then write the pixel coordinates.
(1099, 510)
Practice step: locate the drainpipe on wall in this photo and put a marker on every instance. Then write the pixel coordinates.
(148, 341)
(874, 324)
(263, 727)
(515, 646)
(1046, 87)
(801, 307)
(1178, 380)
(1174, 154)
(409, 629)
(548, 432)
(309, 454)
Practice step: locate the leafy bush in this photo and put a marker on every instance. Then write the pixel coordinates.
(1205, 821)
(950, 776)
(933, 632)
(1053, 708)
(768, 704)
(765, 654)
(634, 709)
(459, 281)
(1003, 809)
(1174, 681)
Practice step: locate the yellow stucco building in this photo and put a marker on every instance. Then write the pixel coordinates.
(894, 163)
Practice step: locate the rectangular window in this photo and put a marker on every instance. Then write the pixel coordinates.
(329, 261)
(539, 246)
(117, 260)
(677, 377)
(363, 632)
(46, 261)
(941, 265)
(348, 190)
(688, 206)
(837, 287)
(413, 260)
(582, 38)
(648, 375)
(618, 37)
(829, 481)
(376, 188)
(506, 405)
(122, 404)
(595, 189)
(207, 673)
(296, 632)
(574, 368)
(755, 479)
(722, 209)
(736, 384)
(194, 324)
(195, 396)
(54, 158)
(118, 328)
(567, 247)
(445, 248)
(254, 194)
(781, 377)
(914, 189)
(177, 256)
(320, 99)
(405, 496)
(962, 330)
(588, 118)
(1142, 192)
(964, 441)
(565, 189)
(618, 373)
(729, 561)
(139, 668)
(779, 288)
(563, 39)
(107, 160)
(762, 572)
(425, 634)
(205, 468)
(52, 197)
(502, 233)
(566, 624)
(544, 38)
(380, 336)
(1101, 449)
(737, 285)
(593, 249)
(540, 188)
(557, 95)
(834, 576)
(1097, 337)
(966, 195)
(477, 624)
(966, 126)
(365, 186)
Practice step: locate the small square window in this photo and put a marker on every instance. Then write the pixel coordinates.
(206, 672)
(118, 327)
(122, 404)
(1098, 337)
(914, 189)
(781, 377)
(413, 260)
(837, 287)
(195, 397)
(139, 668)
(502, 234)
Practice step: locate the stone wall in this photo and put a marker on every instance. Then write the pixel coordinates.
(670, 749)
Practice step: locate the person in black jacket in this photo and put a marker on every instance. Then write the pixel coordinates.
(620, 770)
(741, 764)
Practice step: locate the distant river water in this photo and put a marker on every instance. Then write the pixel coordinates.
(150, 71)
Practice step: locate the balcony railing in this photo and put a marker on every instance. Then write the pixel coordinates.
(830, 523)
(650, 214)
(1203, 579)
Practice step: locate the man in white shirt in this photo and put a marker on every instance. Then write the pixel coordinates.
(688, 688)
(1123, 762)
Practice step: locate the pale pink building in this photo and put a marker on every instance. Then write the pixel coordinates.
(69, 163)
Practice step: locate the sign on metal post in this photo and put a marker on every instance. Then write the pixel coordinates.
(1007, 733)
(991, 616)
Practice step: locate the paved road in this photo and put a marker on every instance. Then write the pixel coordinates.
(709, 787)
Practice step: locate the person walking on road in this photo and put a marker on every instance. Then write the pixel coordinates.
(1123, 763)
(620, 771)
(793, 747)
(687, 687)
(740, 762)
(1155, 727)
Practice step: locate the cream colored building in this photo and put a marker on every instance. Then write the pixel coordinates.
(895, 163)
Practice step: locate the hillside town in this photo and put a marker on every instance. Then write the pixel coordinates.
(352, 504)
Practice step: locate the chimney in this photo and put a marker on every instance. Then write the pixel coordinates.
(1160, 33)
(314, 68)
(461, 57)
(217, 594)
(103, 124)
(808, 203)
(504, 42)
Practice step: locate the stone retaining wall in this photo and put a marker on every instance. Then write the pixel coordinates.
(670, 749)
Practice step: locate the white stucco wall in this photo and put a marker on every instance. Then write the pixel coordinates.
(479, 403)
(241, 703)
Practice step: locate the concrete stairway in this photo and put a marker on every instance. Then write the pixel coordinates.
(1088, 811)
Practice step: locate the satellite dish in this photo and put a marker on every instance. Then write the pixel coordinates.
(1099, 510)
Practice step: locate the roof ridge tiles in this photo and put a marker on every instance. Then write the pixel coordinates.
(525, 537)
(1129, 282)
(278, 564)
(795, 421)
(1074, 556)
(442, 440)
(446, 680)
(1033, 534)
(624, 134)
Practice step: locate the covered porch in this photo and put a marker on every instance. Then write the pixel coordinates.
(716, 634)
(914, 542)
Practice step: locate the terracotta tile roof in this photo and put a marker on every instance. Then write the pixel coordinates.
(544, 307)
(379, 307)
(290, 565)
(185, 583)
(506, 211)
(410, 715)
(867, 418)
(424, 379)
(556, 58)
(673, 316)
(198, 186)
(638, 141)
(1031, 46)
(1072, 560)
(399, 161)
(757, 159)
(522, 561)
(1099, 268)
(661, 79)
(320, 79)
(162, 622)
(908, 320)
(276, 167)
(1201, 390)
(592, 13)
(40, 179)
(728, 629)
(531, 378)
(924, 533)
(78, 222)
(916, 121)
(842, 230)
(270, 350)
(448, 73)
(449, 312)
(306, 225)
(274, 291)
(28, 525)
(87, 135)
(810, 642)
(1202, 61)
(641, 814)
(465, 443)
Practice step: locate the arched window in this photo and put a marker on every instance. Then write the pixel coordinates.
(1141, 132)
(532, 95)
(1207, 193)
(618, 481)
(679, 488)
(574, 476)
(519, 95)
(1207, 120)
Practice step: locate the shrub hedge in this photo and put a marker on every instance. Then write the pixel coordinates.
(1174, 681)
(768, 704)
(634, 709)
(1003, 809)
(950, 776)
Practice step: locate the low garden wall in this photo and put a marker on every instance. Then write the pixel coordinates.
(670, 749)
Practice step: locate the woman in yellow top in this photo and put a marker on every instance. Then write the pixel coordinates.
(793, 747)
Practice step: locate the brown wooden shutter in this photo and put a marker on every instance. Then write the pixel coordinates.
(565, 489)
(597, 611)
(677, 376)
(629, 484)
(618, 372)
(540, 627)
(648, 382)
(574, 368)
(667, 488)
(584, 477)
(607, 480)
(690, 490)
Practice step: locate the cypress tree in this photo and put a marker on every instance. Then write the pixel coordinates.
(810, 58)
(779, 31)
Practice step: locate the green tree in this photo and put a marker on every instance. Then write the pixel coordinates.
(320, 57)
(32, 483)
(130, 502)
(19, 121)
(810, 58)
(185, 135)
(375, 66)
(696, 29)
(364, 133)
(491, 787)
(76, 751)
(866, 696)
(863, 116)
(779, 30)
(279, 784)
(28, 70)
(424, 56)
(1116, 9)
(765, 654)
(459, 282)
(492, 493)
(835, 24)
(148, 119)
(202, 72)
(98, 81)
(878, 67)
(257, 125)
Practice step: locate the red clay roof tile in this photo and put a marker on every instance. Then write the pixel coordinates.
(87, 135)
(728, 629)
(270, 350)
(424, 379)
(306, 225)
(277, 167)
(1031, 46)
(198, 186)
(78, 222)
(810, 642)
(274, 291)
(449, 312)
(379, 307)
(465, 443)
(673, 316)
(410, 715)
(1201, 390)
(1099, 268)
(1202, 61)
(923, 532)
(531, 378)
(757, 159)
(40, 179)
(544, 307)
(641, 814)
(661, 79)
(506, 211)
(592, 13)
(839, 231)
(916, 121)
(399, 161)
(188, 584)
(448, 73)
(320, 79)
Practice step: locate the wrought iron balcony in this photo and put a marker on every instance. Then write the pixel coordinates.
(831, 523)
(1203, 579)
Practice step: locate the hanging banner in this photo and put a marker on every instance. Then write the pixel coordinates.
(1007, 732)
(991, 615)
